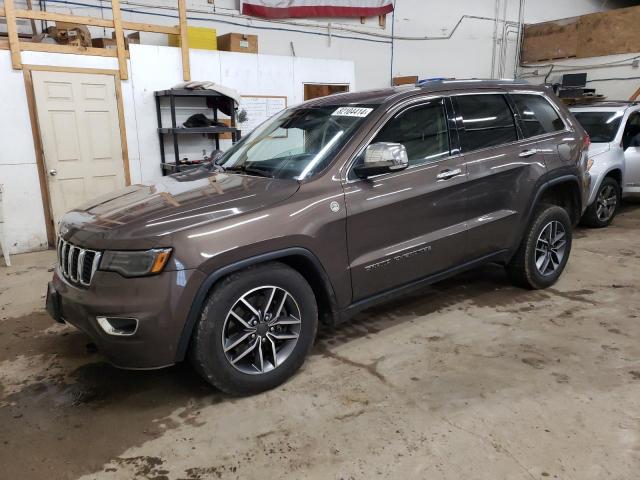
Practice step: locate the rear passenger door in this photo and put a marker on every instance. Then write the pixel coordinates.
(503, 169)
(631, 145)
(405, 225)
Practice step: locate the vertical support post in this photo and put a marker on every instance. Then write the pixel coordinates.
(184, 40)
(120, 48)
(34, 31)
(12, 30)
(176, 151)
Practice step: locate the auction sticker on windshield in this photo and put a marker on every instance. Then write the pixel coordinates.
(352, 112)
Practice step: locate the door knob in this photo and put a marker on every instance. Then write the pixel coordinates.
(447, 174)
(528, 153)
(53, 172)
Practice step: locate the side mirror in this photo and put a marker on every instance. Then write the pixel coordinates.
(382, 157)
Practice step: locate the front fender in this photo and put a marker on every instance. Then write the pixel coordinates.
(603, 165)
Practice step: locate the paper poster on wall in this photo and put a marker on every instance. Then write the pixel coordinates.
(255, 109)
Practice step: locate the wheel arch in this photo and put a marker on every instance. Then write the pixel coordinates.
(298, 258)
(563, 191)
(616, 174)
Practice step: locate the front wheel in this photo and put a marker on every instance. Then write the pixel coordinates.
(255, 330)
(601, 212)
(544, 251)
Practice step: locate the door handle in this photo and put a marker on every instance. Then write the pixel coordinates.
(447, 174)
(528, 153)
(53, 172)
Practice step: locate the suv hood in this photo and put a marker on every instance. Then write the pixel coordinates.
(146, 216)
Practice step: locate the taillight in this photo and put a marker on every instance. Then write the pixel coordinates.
(586, 142)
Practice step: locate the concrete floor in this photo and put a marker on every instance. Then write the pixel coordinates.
(470, 379)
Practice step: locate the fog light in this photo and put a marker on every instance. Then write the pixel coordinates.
(118, 326)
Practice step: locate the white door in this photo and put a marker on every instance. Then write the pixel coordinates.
(80, 132)
(631, 143)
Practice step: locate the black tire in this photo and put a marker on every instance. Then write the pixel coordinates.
(522, 268)
(609, 191)
(207, 352)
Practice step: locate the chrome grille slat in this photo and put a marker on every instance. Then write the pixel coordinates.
(74, 270)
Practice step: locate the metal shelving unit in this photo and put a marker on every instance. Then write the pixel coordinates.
(175, 131)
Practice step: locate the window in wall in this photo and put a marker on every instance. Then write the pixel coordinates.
(537, 115)
(487, 121)
(422, 129)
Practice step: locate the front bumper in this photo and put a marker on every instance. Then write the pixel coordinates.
(161, 304)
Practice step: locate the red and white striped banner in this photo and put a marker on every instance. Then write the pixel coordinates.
(316, 8)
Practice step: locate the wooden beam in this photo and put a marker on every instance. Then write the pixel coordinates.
(14, 42)
(34, 30)
(62, 17)
(119, 33)
(184, 40)
(148, 27)
(55, 48)
(95, 22)
(635, 96)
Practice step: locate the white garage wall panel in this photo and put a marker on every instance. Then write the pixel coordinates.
(151, 68)
(159, 68)
(23, 213)
(467, 53)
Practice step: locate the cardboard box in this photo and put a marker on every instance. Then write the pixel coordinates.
(199, 37)
(129, 39)
(408, 80)
(238, 42)
(111, 42)
(103, 43)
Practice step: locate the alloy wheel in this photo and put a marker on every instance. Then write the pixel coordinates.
(550, 248)
(261, 330)
(607, 202)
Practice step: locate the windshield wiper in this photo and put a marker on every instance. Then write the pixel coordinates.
(249, 171)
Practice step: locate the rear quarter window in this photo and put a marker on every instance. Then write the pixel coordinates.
(537, 115)
(487, 121)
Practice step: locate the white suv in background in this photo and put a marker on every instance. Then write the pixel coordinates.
(614, 128)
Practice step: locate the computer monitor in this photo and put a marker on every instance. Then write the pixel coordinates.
(574, 80)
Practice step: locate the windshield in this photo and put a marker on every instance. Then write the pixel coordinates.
(601, 126)
(296, 143)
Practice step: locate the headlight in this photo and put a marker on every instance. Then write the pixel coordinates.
(135, 263)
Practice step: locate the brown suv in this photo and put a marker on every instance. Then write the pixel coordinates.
(325, 209)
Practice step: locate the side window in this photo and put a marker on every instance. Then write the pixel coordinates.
(631, 135)
(537, 115)
(487, 121)
(422, 129)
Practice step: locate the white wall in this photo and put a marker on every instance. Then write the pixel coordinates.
(467, 53)
(158, 68)
(613, 76)
(23, 209)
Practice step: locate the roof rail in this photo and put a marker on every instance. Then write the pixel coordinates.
(428, 81)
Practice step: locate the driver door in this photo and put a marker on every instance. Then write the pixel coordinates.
(406, 225)
(631, 145)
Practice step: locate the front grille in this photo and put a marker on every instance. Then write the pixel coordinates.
(77, 264)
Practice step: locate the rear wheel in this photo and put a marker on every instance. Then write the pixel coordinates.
(255, 330)
(544, 251)
(602, 211)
